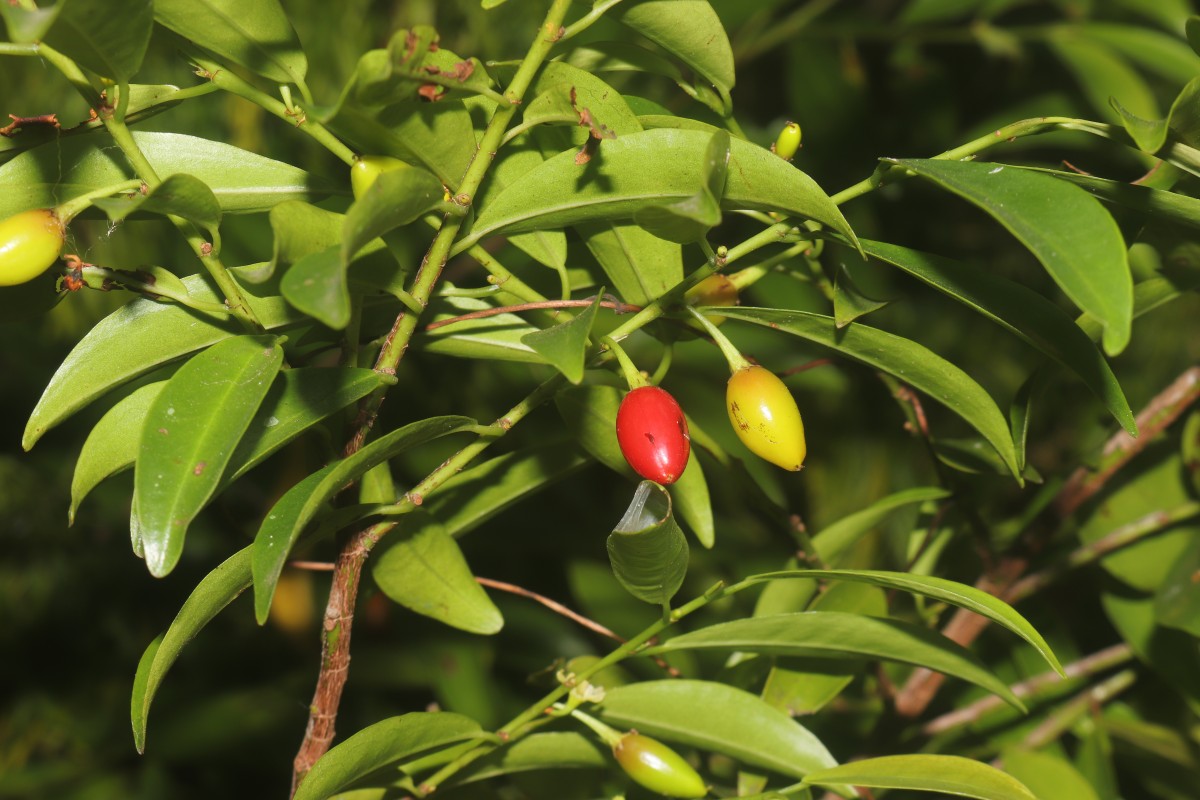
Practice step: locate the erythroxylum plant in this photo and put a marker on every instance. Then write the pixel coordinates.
(534, 219)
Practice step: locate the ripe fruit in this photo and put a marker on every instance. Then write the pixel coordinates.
(657, 767)
(367, 168)
(765, 417)
(788, 141)
(29, 244)
(653, 434)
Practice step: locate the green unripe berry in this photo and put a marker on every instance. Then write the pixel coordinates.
(29, 245)
(788, 142)
(367, 169)
(657, 767)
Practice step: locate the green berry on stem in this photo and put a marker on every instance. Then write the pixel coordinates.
(788, 141)
(657, 767)
(367, 169)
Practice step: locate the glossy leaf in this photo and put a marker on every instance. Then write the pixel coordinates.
(297, 400)
(617, 56)
(931, 773)
(633, 174)
(590, 413)
(691, 500)
(833, 634)
(423, 569)
(386, 742)
(108, 37)
(639, 265)
(1102, 74)
(242, 182)
(218, 589)
(436, 136)
(1177, 601)
(112, 445)
(316, 285)
(496, 337)
(28, 25)
(950, 592)
(720, 718)
(181, 194)
(293, 512)
(564, 94)
(564, 346)
(1154, 203)
(300, 229)
(849, 301)
(1019, 310)
(480, 492)
(257, 36)
(690, 219)
(518, 157)
(396, 198)
(189, 435)
(1157, 52)
(921, 368)
(135, 339)
(1047, 775)
(541, 751)
(1076, 240)
(690, 30)
(647, 550)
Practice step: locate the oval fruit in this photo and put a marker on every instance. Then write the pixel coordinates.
(367, 169)
(765, 417)
(657, 767)
(788, 141)
(653, 434)
(29, 245)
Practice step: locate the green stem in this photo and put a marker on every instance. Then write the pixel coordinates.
(96, 277)
(736, 360)
(77, 205)
(587, 20)
(607, 733)
(516, 727)
(15, 49)
(230, 82)
(633, 375)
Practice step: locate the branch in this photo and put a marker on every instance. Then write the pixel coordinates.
(964, 627)
(614, 304)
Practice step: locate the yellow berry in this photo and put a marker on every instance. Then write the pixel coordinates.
(29, 245)
(765, 417)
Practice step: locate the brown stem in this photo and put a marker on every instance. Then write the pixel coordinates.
(964, 626)
(615, 305)
(1090, 665)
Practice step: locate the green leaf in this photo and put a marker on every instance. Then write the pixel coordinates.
(112, 445)
(1177, 601)
(1157, 52)
(396, 198)
(189, 435)
(290, 515)
(1076, 240)
(648, 551)
(297, 400)
(1021, 311)
(836, 540)
(1171, 206)
(181, 194)
(540, 751)
(316, 285)
(257, 36)
(28, 25)
(849, 302)
(379, 745)
(691, 499)
(436, 136)
(567, 95)
(497, 337)
(1047, 775)
(690, 219)
(242, 182)
(108, 37)
(632, 173)
(423, 570)
(477, 494)
(217, 590)
(720, 718)
(638, 264)
(690, 30)
(1102, 74)
(135, 339)
(300, 229)
(590, 413)
(517, 158)
(907, 360)
(564, 346)
(930, 773)
(619, 56)
(833, 634)
(951, 592)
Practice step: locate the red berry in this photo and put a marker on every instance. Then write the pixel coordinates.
(653, 434)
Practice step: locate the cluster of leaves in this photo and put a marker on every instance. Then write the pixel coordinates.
(537, 186)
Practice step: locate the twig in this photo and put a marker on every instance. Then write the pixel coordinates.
(614, 304)
(1064, 717)
(964, 626)
(816, 362)
(312, 566)
(1084, 667)
(553, 605)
